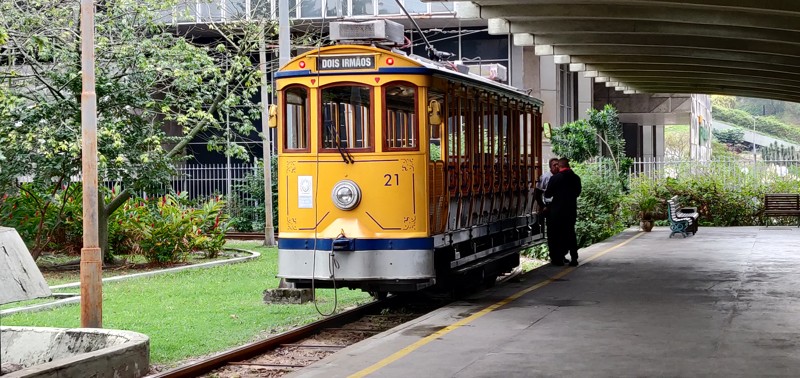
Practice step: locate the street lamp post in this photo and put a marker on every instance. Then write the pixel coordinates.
(91, 255)
(754, 142)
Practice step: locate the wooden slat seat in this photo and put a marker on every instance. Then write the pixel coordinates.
(782, 205)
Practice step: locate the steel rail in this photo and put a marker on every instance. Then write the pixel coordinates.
(256, 348)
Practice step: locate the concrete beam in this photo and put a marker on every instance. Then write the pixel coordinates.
(632, 27)
(724, 16)
(589, 73)
(610, 84)
(784, 78)
(672, 41)
(467, 9)
(600, 79)
(755, 6)
(499, 26)
(629, 50)
(525, 40)
(720, 67)
(543, 50)
(645, 60)
(715, 90)
(577, 67)
(562, 59)
(667, 80)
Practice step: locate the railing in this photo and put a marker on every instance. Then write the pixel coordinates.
(732, 172)
(202, 181)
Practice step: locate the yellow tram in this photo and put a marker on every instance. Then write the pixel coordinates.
(398, 172)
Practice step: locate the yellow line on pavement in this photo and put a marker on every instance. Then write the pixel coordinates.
(402, 352)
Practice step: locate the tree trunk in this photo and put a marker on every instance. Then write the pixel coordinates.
(104, 214)
(102, 227)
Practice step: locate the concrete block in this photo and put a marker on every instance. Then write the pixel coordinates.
(20, 278)
(288, 296)
(58, 352)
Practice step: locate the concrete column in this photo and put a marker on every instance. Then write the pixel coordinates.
(516, 67)
(585, 95)
(530, 72)
(548, 89)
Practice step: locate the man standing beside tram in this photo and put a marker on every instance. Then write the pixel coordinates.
(562, 213)
(544, 202)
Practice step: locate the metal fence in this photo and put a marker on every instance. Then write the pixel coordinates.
(203, 181)
(731, 172)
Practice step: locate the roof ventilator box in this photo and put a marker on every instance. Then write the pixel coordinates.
(368, 31)
(494, 71)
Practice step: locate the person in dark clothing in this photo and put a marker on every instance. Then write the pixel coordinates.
(564, 188)
(544, 202)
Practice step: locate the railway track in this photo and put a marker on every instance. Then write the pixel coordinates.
(303, 346)
(300, 347)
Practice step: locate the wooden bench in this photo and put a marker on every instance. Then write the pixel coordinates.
(782, 205)
(681, 219)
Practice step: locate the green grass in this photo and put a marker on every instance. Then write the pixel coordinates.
(197, 312)
(677, 129)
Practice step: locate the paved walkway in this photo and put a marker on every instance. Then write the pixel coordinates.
(723, 303)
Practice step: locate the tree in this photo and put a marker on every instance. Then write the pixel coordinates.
(733, 137)
(576, 141)
(579, 140)
(157, 90)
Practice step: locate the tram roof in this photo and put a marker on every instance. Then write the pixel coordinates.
(446, 70)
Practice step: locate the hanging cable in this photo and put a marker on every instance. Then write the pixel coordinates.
(433, 54)
(332, 263)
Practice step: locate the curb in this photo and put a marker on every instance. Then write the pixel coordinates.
(76, 299)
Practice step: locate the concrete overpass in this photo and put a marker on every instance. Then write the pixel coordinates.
(747, 48)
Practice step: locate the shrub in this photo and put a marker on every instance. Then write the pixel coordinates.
(169, 230)
(600, 203)
(249, 215)
(725, 193)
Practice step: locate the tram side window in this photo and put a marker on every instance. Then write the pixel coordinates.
(400, 119)
(346, 117)
(296, 118)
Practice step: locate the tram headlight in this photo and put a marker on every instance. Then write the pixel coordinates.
(346, 195)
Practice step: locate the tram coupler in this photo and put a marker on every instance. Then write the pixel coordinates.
(344, 244)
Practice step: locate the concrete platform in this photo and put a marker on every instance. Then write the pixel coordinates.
(722, 303)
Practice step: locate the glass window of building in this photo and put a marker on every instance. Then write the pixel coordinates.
(415, 6)
(441, 7)
(260, 9)
(400, 120)
(336, 8)
(311, 8)
(235, 9)
(567, 88)
(363, 7)
(296, 118)
(388, 7)
(210, 10)
(346, 117)
(186, 11)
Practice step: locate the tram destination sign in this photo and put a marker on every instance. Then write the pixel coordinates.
(345, 62)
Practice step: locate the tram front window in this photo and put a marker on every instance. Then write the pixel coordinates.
(346, 118)
(296, 119)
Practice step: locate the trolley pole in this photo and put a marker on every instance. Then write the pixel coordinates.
(91, 255)
(269, 228)
(284, 35)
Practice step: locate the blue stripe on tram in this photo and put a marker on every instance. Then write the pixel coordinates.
(360, 244)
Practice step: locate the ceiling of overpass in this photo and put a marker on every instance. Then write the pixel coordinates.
(745, 48)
